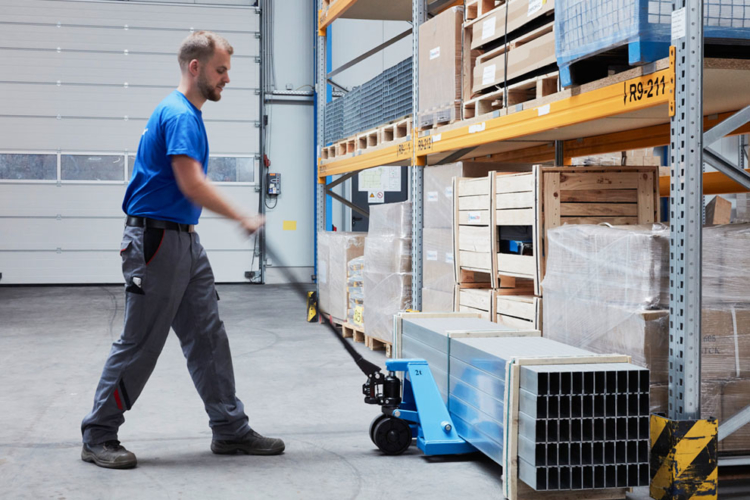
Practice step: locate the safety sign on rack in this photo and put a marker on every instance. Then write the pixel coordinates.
(376, 197)
(380, 179)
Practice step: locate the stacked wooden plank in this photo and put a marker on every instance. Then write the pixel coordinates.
(502, 222)
(509, 54)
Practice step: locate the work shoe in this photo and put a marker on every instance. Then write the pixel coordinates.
(252, 444)
(109, 454)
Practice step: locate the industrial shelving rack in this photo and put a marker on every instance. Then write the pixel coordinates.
(596, 119)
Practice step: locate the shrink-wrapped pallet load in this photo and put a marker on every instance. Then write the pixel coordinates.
(387, 272)
(607, 290)
(335, 250)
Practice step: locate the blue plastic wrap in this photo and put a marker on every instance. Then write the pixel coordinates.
(584, 28)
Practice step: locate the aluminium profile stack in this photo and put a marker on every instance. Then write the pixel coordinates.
(580, 426)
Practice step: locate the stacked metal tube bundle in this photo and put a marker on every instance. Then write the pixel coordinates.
(574, 420)
(584, 426)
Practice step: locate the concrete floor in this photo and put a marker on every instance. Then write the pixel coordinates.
(297, 383)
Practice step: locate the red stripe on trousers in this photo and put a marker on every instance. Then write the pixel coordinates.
(117, 399)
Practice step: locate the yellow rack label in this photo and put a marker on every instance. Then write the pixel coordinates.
(637, 92)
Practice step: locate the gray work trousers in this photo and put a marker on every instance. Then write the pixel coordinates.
(168, 282)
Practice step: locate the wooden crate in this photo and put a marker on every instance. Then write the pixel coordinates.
(518, 311)
(473, 229)
(476, 300)
(548, 197)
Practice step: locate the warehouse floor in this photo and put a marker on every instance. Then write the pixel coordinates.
(297, 383)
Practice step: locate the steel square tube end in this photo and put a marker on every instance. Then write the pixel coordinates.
(553, 482)
(552, 428)
(644, 475)
(611, 382)
(600, 382)
(553, 407)
(622, 476)
(588, 383)
(633, 479)
(564, 478)
(644, 428)
(644, 403)
(622, 405)
(587, 457)
(576, 430)
(622, 381)
(610, 476)
(566, 383)
(645, 381)
(588, 477)
(564, 431)
(611, 429)
(633, 428)
(609, 452)
(565, 402)
(610, 404)
(554, 384)
(633, 383)
(634, 407)
(643, 451)
(588, 406)
(599, 477)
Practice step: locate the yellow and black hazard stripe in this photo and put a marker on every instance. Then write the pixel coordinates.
(312, 307)
(684, 462)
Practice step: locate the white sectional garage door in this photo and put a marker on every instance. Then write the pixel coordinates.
(79, 82)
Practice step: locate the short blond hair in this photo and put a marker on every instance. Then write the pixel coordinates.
(201, 46)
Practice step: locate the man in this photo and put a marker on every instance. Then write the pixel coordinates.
(168, 279)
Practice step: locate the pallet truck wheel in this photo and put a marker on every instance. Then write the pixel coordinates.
(392, 435)
(373, 424)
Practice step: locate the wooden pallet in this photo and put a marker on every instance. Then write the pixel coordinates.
(475, 9)
(434, 118)
(357, 334)
(383, 135)
(518, 93)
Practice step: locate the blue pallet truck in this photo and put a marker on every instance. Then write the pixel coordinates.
(419, 412)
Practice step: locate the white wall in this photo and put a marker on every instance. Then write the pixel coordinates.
(290, 148)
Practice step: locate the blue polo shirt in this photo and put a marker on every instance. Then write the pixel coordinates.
(175, 128)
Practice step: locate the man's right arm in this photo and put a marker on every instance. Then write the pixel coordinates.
(197, 188)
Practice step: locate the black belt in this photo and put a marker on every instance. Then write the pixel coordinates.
(159, 224)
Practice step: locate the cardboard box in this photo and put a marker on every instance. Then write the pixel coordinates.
(718, 211)
(440, 68)
(721, 399)
(725, 343)
(437, 301)
(520, 13)
(437, 260)
(524, 56)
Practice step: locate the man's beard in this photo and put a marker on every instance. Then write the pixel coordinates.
(208, 92)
